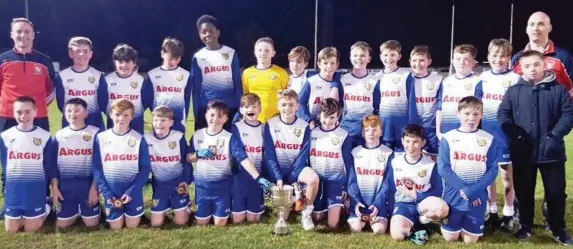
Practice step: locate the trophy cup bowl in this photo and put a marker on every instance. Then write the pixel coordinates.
(117, 203)
(281, 199)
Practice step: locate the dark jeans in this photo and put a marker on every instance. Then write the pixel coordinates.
(553, 176)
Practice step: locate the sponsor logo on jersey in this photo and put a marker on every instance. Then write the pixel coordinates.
(430, 86)
(391, 94)
(409, 184)
(326, 154)
(133, 84)
(24, 155)
(91, 79)
(37, 70)
(87, 137)
(273, 76)
(115, 96)
(369, 172)
(493, 96)
(109, 157)
(70, 80)
(253, 149)
(131, 142)
(164, 159)
(423, 173)
(281, 145)
(168, 89)
(75, 152)
(157, 76)
(172, 144)
(225, 56)
(335, 141)
(317, 100)
(75, 93)
(462, 156)
(220, 142)
(297, 132)
(37, 141)
(425, 99)
(481, 142)
(218, 157)
(179, 77)
(356, 98)
(396, 80)
(468, 86)
(213, 69)
(451, 99)
(381, 158)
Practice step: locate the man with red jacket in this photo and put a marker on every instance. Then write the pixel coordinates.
(24, 72)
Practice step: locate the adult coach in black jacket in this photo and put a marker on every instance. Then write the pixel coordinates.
(536, 114)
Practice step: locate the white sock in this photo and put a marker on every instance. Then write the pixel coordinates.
(48, 209)
(424, 220)
(492, 208)
(508, 211)
(308, 210)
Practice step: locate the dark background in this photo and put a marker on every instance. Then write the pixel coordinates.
(144, 23)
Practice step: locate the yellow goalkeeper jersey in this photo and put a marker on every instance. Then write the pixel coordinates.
(266, 83)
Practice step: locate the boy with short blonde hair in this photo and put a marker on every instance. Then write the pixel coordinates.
(298, 62)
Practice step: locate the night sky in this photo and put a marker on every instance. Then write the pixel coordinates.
(144, 23)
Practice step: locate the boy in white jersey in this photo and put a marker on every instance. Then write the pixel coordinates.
(170, 84)
(366, 179)
(247, 197)
(357, 91)
(455, 87)
(121, 167)
(317, 87)
(27, 155)
(82, 81)
(423, 97)
(171, 173)
(467, 162)
(394, 91)
(74, 145)
(286, 146)
(125, 83)
(414, 186)
(298, 62)
(214, 150)
(490, 90)
(331, 158)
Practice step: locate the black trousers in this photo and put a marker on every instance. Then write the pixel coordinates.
(553, 177)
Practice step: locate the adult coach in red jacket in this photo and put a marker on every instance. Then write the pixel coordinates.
(25, 72)
(556, 59)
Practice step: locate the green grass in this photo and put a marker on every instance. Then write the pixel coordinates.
(251, 236)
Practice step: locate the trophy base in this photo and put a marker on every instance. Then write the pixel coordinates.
(280, 234)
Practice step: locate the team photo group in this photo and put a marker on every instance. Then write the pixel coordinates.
(401, 152)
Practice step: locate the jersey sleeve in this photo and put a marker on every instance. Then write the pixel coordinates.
(303, 98)
(445, 166)
(51, 159)
(102, 94)
(337, 84)
(191, 147)
(376, 98)
(187, 98)
(147, 94)
(439, 98)
(412, 110)
(196, 81)
(479, 90)
(237, 77)
(187, 168)
(436, 189)
(144, 168)
(302, 158)
(353, 189)
(99, 176)
(60, 92)
(473, 191)
(270, 155)
(49, 83)
(384, 197)
(237, 148)
(347, 158)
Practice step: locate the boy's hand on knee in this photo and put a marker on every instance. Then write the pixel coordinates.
(374, 214)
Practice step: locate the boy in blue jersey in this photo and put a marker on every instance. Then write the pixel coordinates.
(170, 84)
(331, 158)
(215, 73)
(467, 162)
(359, 91)
(121, 167)
(171, 173)
(455, 87)
(27, 160)
(317, 87)
(298, 62)
(414, 186)
(491, 90)
(82, 81)
(366, 179)
(394, 91)
(126, 83)
(213, 149)
(74, 145)
(286, 148)
(424, 96)
(248, 200)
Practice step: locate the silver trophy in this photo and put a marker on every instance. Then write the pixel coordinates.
(281, 199)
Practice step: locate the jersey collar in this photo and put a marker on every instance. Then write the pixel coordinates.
(121, 134)
(161, 138)
(294, 121)
(254, 126)
(33, 129)
(412, 163)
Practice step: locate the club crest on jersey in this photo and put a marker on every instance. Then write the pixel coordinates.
(423, 173)
(220, 142)
(133, 84)
(225, 56)
(481, 142)
(396, 80)
(87, 137)
(37, 141)
(179, 77)
(273, 76)
(131, 142)
(431, 86)
(381, 158)
(172, 145)
(506, 84)
(368, 86)
(155, 202)
(468, 86)
(92, 79)
(335, 140)
(297, 132)
(37, 70)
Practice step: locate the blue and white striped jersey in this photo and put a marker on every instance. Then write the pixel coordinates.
(89, 85)
(167, 158)
(296, 82)
(313, 92)
(394, 92)
(360, 98)
(421, 176)
(451, 92)
(133, 89)
(424, 98)
(252, 138)
(367, 175)
(330, 154)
